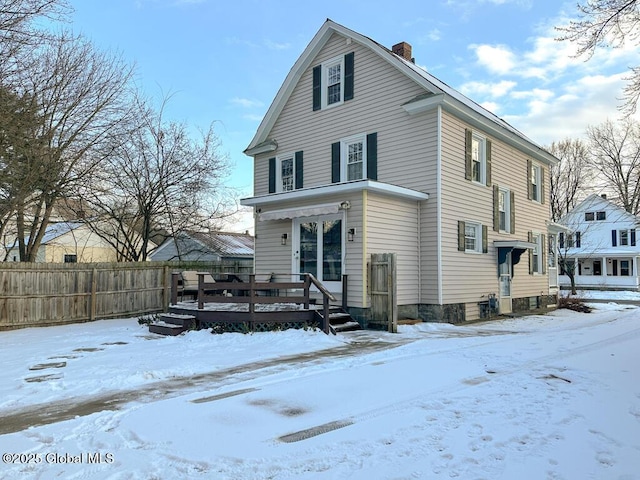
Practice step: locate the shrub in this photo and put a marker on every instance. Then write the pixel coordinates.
(573, 303)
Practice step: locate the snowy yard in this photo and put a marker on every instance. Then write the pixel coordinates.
(542, 397)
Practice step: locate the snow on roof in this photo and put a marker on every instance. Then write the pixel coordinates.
(55, 230)
(226, 244)
(472, 110)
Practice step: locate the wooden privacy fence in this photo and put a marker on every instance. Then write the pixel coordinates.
(41, 294)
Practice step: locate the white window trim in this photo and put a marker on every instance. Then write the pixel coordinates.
(344, 154)
(628, 237)
(507, 210)
(279, 160)
(538, 184)
(482, 153)
(324, 83)
(478, 229)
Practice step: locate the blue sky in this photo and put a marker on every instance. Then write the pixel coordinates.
(223, 60)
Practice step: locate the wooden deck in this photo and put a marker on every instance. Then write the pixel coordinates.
(254, 305)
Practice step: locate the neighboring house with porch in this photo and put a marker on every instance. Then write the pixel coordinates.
(69, 242)
(602, 245)
(206, 246)
(363, 152)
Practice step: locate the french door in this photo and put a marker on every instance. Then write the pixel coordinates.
(318, 248)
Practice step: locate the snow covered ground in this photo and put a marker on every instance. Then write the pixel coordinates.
(542, 397)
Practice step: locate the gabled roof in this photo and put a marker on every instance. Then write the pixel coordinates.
(226, 244)
(597, 202)
(55, 230)
(436, 92)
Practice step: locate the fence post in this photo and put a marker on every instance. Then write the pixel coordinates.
(165, 288)
(345, 284)
(93, 303)
(252, 300)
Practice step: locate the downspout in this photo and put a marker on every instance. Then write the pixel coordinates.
(439, 204)
(365, 279)
(419, 253)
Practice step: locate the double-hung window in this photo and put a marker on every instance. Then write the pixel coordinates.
(286, 173)
(333, 74)
(536, 257)
(333, 82)
(477, 158)
(478, 162)
(472, 237)
(504, 210)
(354, 152)
(355, 158)
(536, 183)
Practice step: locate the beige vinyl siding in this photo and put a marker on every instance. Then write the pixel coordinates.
(272, 256)
(392, 227)
(467, 277)
(379, 93)
(88, 247)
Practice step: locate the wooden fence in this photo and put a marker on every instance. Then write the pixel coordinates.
(41, 294)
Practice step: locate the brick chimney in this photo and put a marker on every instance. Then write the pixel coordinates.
(403, 49)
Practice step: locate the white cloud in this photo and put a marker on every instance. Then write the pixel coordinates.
(271, 45)
(246, 103)
(496, 59)
(253, 117)
(587, 101)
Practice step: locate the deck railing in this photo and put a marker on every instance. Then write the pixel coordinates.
(256, 292)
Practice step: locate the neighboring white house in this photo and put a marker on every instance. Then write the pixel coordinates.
(602, 245)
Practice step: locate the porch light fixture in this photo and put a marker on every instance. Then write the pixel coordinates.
(283, 239)
(351, 233)
(346, 205)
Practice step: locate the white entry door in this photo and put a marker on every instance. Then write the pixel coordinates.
(318, 249)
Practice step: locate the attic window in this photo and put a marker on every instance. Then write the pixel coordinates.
(333, 82)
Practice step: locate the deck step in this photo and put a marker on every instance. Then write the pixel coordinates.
(172, 324)
(346, 326)
(169, 329)
(187, 321)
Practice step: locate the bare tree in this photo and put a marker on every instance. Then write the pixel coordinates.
(18, 27)
(608, 23)
(159, 182)
(82, 99)
(615, 152)
(569, 177)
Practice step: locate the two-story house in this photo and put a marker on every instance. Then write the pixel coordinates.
(601, 247)
(364, 152)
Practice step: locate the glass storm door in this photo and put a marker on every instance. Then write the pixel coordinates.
(505, 284)
(318, 249)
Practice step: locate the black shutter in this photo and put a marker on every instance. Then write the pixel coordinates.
(372, 156)
(496, 208)
(485, 241)
(461, 236)
(317, 92)
(615, 267)
(272, 175)
(529, 184)
(467, 153)
(335, 162)
(561, 240)
(348, 76)
(633, 237)
(512, 206)
(298, 167)
(488, 161)
(614, 238)
(577, 239)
